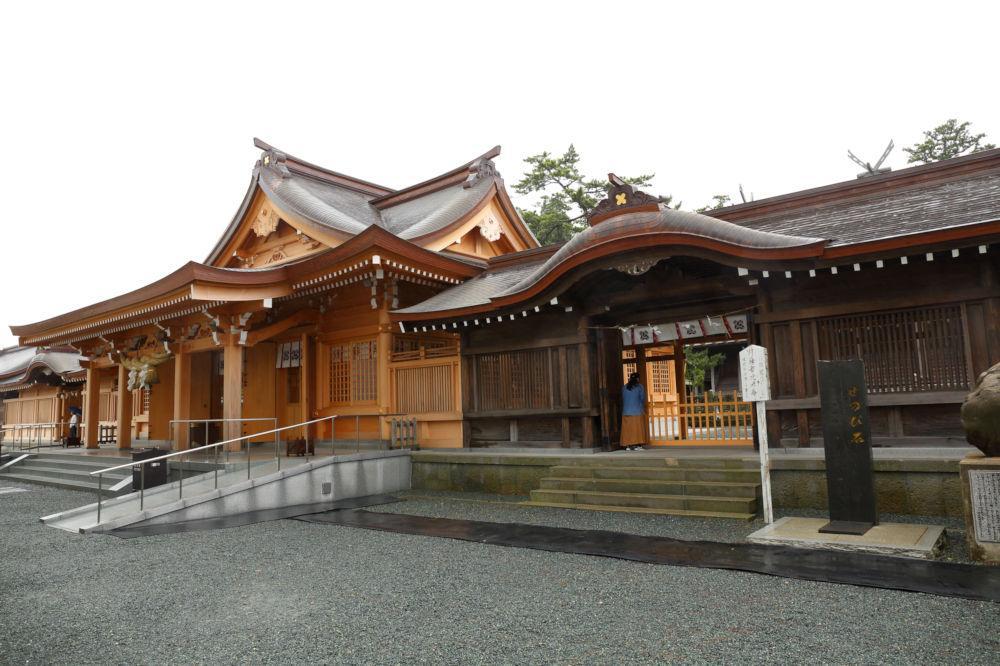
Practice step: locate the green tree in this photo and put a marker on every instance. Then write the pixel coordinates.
(567, 196)
(946, 141)
(718, 201)
(698, 363)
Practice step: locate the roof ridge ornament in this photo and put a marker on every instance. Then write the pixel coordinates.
(480, 169)
(622, 198)
(273, 158)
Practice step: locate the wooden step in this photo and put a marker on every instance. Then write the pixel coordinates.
(639, 459)
(658, 512)
(656, 473)
(657, 487)
(648, 500)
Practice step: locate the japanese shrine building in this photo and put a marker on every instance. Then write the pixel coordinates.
(331, 295)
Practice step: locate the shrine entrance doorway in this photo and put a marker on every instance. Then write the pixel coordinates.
(691, 411)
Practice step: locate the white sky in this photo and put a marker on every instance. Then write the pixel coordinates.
(127, 127)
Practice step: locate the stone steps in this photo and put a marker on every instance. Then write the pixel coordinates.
(69, 472)
(644, 510)
(722, 487)
(649, 500)
(732, 475)
(658, 461)
(697, 488)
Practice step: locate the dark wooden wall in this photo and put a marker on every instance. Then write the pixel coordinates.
(529, 382)
(925, 331)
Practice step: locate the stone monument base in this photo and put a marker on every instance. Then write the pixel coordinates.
(907, 540)
(980, 478)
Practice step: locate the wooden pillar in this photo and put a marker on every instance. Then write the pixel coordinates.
(232, 391)
(991, 313)
(182, 400)
(92, 407)
(681, 388)
(124, 410)
(589, 382)
(383, 349)
(305, 386)
(799, 371)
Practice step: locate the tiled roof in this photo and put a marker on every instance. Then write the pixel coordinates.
(477, 291)
(349, 206)
(18, 365)
(914, 209)
(435, 211)
(506, 280)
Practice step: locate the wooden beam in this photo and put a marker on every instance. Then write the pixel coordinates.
(92, 407)
(913, 299)
(279, 327)
(232, 391)
(124, 410)
(182, 399)
(306, 385)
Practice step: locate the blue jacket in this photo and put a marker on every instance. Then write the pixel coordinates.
(634, 401)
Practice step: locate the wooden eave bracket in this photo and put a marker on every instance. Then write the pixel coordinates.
(277, 328)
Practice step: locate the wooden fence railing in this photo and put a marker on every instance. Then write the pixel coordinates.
(715, 419)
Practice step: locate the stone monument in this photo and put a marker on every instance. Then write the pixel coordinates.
(980, 472)
(847, 447)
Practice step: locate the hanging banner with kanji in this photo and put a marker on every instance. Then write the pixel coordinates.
(289, 355)
(732, 326)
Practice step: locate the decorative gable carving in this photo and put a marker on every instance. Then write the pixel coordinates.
(265, 223)
(491, 229)
(622, 198)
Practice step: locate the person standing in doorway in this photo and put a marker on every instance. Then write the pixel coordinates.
(74, 427)
(633, 414)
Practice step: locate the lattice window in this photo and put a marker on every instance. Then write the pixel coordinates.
(660, 371)
(426, 389)
(922, 349)
(514, 380)
(628, 364)
(412, 347)
(353, 372)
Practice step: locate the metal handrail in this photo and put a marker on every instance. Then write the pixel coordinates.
(174, 454)
(170, 426)
(142, 463)
(357, 427)
(32, 429)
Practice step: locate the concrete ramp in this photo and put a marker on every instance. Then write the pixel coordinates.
(319, 480)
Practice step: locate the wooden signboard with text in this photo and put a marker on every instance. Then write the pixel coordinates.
(847, 447)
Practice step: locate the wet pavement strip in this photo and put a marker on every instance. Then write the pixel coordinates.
(248, 518)
(965, 581)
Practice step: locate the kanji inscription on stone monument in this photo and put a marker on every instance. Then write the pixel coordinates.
(847, 447)
(985, 494)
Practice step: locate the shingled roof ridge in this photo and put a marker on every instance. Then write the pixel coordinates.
(481, 166)
(308, 169)
(861, 188)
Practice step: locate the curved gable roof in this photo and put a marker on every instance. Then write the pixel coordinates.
(507, 283)
(347, 206)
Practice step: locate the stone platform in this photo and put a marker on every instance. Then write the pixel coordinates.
(904, 539)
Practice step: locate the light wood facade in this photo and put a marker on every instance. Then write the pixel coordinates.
(290, 317)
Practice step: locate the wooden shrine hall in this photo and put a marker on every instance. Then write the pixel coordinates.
(899, 270)
(288, 318)
(331, 295)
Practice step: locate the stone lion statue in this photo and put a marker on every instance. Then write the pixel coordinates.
(981, 413)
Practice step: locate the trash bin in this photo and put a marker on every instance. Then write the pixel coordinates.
(156, 472)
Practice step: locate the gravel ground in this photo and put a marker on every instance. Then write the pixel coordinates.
(289, 591)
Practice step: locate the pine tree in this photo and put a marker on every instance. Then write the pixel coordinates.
(948, 140)
(567, 195)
